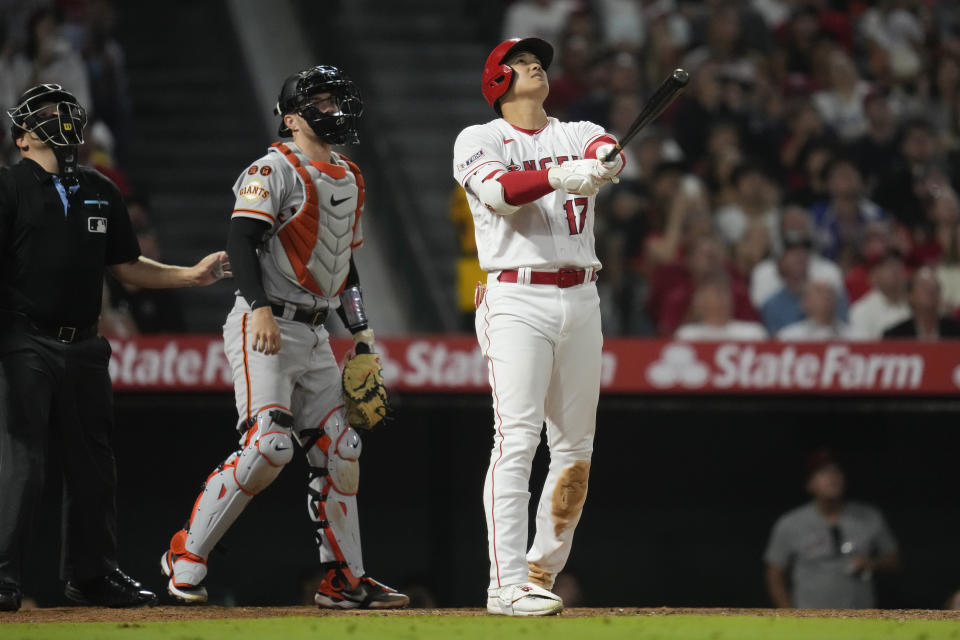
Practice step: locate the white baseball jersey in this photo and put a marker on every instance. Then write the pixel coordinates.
(550, 233)
(304, 261)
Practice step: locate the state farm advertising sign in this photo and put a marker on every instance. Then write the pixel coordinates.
(455, 365)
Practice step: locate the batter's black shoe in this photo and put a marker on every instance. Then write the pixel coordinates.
(335, 593)
(10, 599)
(115, 589)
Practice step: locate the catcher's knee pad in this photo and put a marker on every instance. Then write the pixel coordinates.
(267, 448)
(262, 461)
(335, 448)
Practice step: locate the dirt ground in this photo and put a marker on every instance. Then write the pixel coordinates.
(160, 614)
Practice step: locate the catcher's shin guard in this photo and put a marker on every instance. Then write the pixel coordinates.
(332, 451)
(267, 448)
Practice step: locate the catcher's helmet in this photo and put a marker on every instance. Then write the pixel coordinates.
(497, 76)
(339, 127)
(62, 127)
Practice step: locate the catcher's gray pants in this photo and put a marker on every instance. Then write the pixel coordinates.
(303, 380)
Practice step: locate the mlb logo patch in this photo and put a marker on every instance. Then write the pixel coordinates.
(97, 225)
(469, 161)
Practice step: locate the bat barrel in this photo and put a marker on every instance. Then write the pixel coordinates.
(660, 100)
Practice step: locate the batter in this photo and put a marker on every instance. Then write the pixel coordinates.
(530, 181)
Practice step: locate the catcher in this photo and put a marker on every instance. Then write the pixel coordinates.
(294, 227)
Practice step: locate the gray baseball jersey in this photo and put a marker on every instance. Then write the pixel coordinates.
(304, 259)
(819, 558)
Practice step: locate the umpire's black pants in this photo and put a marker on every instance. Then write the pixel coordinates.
(56, 394)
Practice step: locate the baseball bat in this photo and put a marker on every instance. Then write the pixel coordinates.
(660, 100)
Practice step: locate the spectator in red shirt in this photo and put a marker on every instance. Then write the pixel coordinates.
(673, 285)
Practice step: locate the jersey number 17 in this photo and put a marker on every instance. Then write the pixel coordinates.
(572, 214)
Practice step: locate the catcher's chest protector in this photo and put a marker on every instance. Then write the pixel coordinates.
(313, 247)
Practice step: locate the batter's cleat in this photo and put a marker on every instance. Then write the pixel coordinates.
(116, 589)
(524, 599)
(335, 593)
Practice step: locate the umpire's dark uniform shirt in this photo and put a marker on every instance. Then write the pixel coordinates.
(54, 379)
(53, 261)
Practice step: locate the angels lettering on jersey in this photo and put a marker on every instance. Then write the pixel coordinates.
(542, 163)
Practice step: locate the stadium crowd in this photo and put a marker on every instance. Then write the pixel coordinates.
(804, 187)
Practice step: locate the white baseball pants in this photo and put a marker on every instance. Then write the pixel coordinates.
(543, 348)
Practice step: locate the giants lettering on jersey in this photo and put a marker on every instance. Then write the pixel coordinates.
(542, 163)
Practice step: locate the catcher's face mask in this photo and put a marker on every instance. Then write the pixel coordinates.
(300, 93)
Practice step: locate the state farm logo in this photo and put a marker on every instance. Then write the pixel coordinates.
(678, 364)
(777, 366)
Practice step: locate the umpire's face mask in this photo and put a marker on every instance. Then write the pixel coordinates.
(59, 125)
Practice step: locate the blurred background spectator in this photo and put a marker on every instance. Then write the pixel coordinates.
(674, 283)
(824, 554)
(885, 304)
(821, 319)
(47, 56)
(545, 19)
(926, 321)
(795, 268)
(711, 315)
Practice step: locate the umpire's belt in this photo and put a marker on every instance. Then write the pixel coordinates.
(562, 278)
(64, 334)
(312, 318)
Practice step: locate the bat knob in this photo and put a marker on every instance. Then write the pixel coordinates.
(681, 77)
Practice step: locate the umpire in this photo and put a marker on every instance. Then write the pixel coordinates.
(61, 226)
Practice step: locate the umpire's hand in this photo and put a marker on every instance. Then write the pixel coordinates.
(214, 267)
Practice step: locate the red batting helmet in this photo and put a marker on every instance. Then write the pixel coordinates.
(497, 76)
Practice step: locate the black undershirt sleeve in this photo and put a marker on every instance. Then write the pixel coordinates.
(242, 240)
(353, 280)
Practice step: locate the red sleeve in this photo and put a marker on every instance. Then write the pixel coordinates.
(521, 187)
(599, 141)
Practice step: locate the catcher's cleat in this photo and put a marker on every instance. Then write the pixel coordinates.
(335, 593)
(524, 599)
(186, 571)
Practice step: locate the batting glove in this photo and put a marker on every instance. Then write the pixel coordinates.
(609, 170)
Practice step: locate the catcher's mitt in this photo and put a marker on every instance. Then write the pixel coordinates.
(364, 396)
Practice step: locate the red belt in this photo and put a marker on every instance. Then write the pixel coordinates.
(563, 278)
